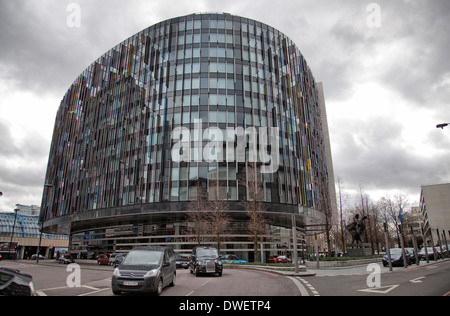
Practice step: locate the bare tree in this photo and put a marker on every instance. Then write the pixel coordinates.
(198, 215)
(255, 207)
(325, 207)
(218, 220)
(340, 189)
(401, 203)
(390, 209)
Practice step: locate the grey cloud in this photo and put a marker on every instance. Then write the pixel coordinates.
(371, 153)
(32, 147)
(39, 53)
(7, 144)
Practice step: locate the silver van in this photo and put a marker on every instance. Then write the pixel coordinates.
(145, 269)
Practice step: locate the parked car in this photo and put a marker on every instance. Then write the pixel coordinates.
(14, 283)
(118, 260)
(232, 259)
(205, 259)
(145, 269)
(439, 252)
(283, 259)
(431, 254)
(33, 257)
(397, 257)
(278, 259)
(65, 259)
(112, 258)
(182, 260)
(445, 249)
(412, 255)
(103, 259)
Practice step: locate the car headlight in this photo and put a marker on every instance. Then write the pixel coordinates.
(199, 263)
(116, 272)
(151, 273)
(219, 262)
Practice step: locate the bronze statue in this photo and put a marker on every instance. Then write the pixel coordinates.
(357, 229)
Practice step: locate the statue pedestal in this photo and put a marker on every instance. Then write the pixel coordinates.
(359, 250)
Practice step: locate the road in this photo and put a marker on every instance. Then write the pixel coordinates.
(50, 279)
(425, 280)
(432, 279)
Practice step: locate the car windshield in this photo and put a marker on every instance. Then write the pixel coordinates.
(143, 258)
(396, 251)
(207, 252)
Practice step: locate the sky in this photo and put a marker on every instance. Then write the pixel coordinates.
(384, 65)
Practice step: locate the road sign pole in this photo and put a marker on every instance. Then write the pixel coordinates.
(294, 237)
(416, 249)
(388, 247)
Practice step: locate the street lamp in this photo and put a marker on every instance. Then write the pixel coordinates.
(12, 233)
(42, 225)
(441, 126)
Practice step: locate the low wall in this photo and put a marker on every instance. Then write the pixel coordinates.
(342, 263)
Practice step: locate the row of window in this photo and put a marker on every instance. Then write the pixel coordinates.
(113, 130)
(25, 226)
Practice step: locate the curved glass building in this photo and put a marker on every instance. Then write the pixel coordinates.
(180, 110)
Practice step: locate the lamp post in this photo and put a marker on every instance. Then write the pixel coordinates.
(42, 226)
(442, 125)
(12, 233)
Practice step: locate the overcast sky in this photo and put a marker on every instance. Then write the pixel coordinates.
(386, 81)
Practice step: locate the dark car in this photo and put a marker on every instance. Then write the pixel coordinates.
(65, 259)
(118, 260)
(145, 269)
(431, 254)
(14, 283)
(182, 260)
(397, 257)
(205, 259)
(412, 255)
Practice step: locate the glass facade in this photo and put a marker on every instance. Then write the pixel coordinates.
(25, 227)
(111, 161)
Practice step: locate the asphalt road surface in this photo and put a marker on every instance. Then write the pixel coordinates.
(51, 279)
(425, 280)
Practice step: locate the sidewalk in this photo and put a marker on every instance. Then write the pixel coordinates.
(286, 271)
(86, 264)
(362, 269)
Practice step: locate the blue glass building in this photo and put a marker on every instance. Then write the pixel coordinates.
(112, 181)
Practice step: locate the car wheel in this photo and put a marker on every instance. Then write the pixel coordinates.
(173, 280)
(116, 292)
(159, 287)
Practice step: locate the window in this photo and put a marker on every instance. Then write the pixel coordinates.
(196, 83)
(222, 117)
(193, 173)
(175, 174)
